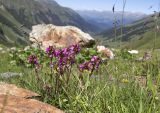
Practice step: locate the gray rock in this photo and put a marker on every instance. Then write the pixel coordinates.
(10, 74)
(147, 56)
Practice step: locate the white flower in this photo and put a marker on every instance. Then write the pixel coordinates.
(3, 52)
(1, 49)
(111, 55)
(133, 52)
(109, 108)
(13, 49)
(8, 49)
(26, 48)
(13, 62)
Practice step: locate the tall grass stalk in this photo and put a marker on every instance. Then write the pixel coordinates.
(115, 23)
(155, 33)
(156, 18)
(115, 30)
(122, 21)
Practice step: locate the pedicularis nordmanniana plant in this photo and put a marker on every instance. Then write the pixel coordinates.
(91, 65)
(62, 61)
(33, 60)
(65, 58)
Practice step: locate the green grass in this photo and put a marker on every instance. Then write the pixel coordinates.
(5, 65)
(101, 94)
(146, 41)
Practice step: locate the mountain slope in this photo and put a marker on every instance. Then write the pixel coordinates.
(30, 12)
(10, 31)
(18, 16)
(105, 19)
(140, 34)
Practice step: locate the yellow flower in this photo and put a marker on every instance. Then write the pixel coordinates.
(124, 81)
(86, 71)
(156, 98)
(109, 108)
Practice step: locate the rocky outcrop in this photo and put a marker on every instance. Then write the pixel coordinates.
(13, 104)
(59, 36)
(11, 89)
(18, 100)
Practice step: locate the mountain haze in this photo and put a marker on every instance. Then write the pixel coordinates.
(105, 19)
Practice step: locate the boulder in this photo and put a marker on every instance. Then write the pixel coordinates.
(106, 52)
(12, 89)
(58, 36)
(18, 100)
(13, 104)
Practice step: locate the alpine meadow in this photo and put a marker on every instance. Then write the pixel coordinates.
(74, 56)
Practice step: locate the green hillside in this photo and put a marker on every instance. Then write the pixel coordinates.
(11, 32)
(139, 35)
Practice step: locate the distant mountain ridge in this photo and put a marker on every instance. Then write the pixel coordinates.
(18, 16)
(105, 19)
(140, 34)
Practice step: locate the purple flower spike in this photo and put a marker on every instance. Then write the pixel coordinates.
(50, 51)
(32, 59)
(84, 66)
(65, 51)
(95, 61)
(65, 57)
(57, 53)
(93, 64)
(75, 48)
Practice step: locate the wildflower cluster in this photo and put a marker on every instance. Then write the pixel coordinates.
(65, 57)
(32, 59)
(61, 63)
(50, 52)
(92, 65)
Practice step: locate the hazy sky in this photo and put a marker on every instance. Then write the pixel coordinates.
(132, 5)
